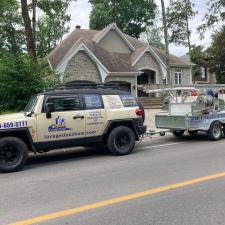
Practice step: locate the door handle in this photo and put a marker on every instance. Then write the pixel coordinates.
(78, 117)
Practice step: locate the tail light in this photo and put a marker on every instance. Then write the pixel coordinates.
(139, 112)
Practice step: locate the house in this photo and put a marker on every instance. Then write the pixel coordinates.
(205, 76)
(110, 56)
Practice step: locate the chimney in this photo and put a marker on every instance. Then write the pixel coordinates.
(78, 26)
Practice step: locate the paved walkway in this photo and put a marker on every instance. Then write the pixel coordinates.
(150, 118)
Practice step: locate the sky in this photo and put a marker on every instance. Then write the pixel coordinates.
(80, 11)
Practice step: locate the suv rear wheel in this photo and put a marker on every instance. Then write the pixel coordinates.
(121, 141)
(13, 154)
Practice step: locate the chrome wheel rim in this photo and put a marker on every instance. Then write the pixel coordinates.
(216, 131)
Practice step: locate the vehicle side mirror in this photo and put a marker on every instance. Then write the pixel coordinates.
(49, 110)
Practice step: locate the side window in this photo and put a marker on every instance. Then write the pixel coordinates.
(128, 101)
(93, 102)
(62, 104)
(178, 76)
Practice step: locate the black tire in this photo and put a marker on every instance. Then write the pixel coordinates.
(121, 141)
(143, 110)
(215, 131)
(193, 132)
(178, 133)
(13, 154)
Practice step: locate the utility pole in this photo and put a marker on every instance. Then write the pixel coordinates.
(169, 80)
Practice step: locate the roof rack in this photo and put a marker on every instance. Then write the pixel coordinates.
(87, 85)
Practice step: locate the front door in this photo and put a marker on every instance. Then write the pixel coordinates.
(67, 120)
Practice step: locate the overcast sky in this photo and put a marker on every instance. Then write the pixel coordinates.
(80, 11)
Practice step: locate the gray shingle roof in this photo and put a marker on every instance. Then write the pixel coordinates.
(113, 62)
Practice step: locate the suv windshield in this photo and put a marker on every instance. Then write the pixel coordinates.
(31, 104)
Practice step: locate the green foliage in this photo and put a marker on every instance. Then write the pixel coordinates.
(215, 15)
(21, 78)
(20, 75)
(131, 16)
(178, 14)
(11, 28)
(53, 25)
(216, 55)
(153, 35)
(197, 54)
(198, 57)
(197, 71)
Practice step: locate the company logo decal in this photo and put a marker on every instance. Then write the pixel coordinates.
(59, 125)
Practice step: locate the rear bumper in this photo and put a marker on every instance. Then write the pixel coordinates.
(141, 129)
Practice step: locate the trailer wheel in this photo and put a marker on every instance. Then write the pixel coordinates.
(178, 133)
(215, 131)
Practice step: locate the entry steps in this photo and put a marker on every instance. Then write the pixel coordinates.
(151, 102)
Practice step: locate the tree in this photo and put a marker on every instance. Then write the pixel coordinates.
(53, 25)
(20, 79)
(153, 35)
(164, 18)
(131, 16)
(216, 55)
(178, 15)
(197, 54)
(198, 57)
(11, 27)
(30, 27)
(215, 15)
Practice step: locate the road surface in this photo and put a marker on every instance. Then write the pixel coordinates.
(165, 181)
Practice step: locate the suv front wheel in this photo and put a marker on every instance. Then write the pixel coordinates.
(13, 154)
(121, 141)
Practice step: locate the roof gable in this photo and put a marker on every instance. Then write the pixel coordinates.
(142, 51)
(114, 35)
(109, 62)
(112, 42)
(58, 53)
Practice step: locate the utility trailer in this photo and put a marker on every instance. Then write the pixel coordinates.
(193, 114)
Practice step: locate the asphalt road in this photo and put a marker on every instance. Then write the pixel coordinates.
(59, 181)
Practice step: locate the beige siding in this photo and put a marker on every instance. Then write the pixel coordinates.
(186, 75)
(81, 67)
(148, 62)
(212, 78)
(114, 43)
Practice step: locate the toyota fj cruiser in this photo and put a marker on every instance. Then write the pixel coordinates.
(68, 117)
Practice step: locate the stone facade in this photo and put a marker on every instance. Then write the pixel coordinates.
(81, 67)
(148, 62)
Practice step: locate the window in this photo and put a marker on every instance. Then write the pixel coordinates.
(31, 104)
(128, 100)
(93, 102)
(65, 104)
(178, 76)
(203, 72)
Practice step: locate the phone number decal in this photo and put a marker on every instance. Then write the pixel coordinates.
(13, 124)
